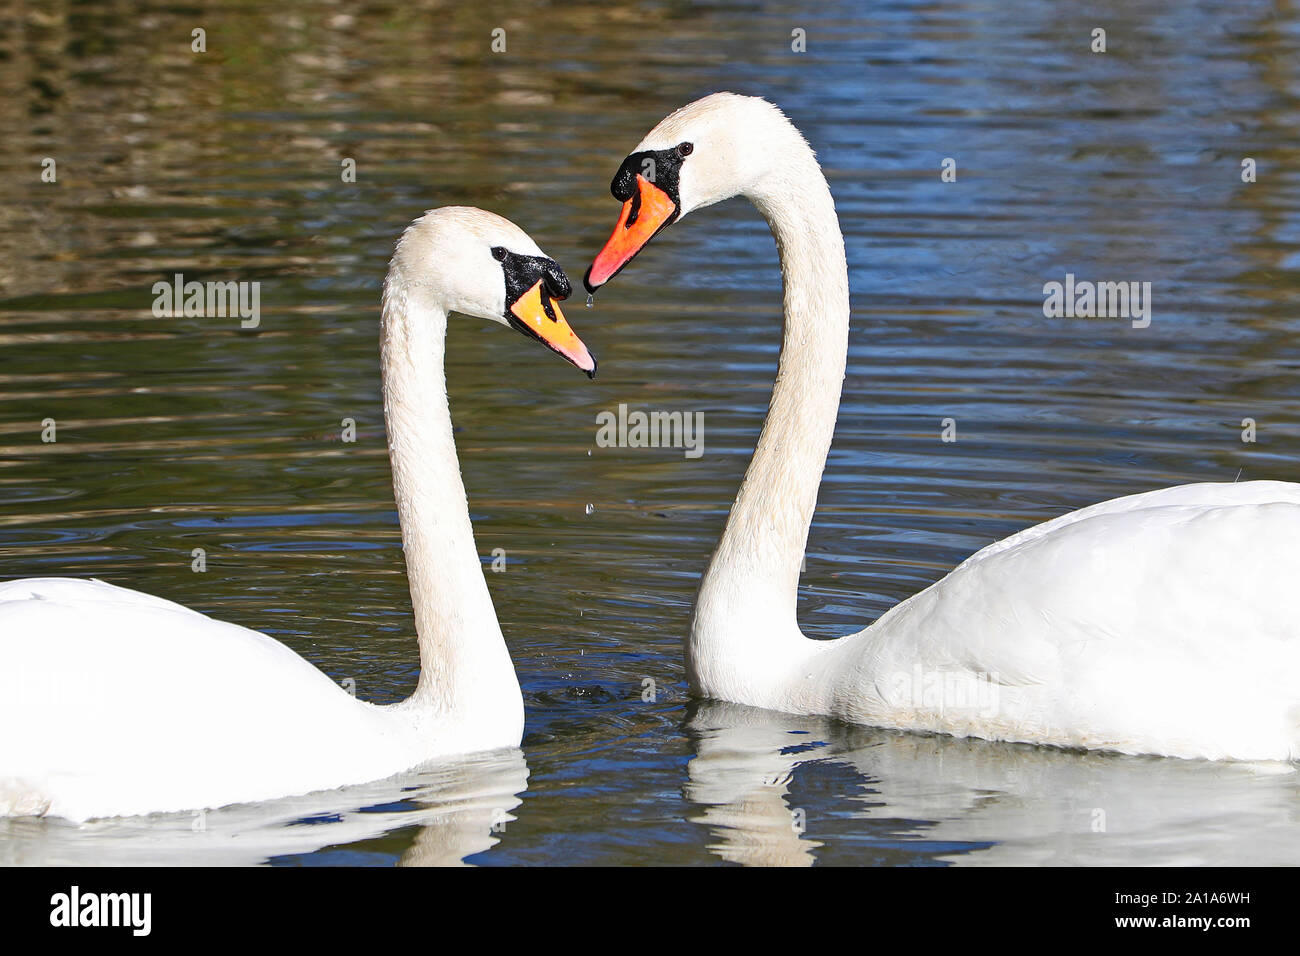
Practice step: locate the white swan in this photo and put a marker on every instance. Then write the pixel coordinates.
(116, 703)
(1161, 623)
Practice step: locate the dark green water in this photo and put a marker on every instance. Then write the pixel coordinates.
(183, 433)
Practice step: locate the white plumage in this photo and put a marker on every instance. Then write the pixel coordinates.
(1161, 623)
(113, 702)
(122, 703)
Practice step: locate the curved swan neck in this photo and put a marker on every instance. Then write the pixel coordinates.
(463, 657)
(749, 591)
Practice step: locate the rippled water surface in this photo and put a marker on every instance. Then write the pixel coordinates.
(183, 433)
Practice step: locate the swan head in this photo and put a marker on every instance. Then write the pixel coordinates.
(721, 146)
(467, 260)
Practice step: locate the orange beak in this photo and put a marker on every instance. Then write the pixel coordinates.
(538, 316)
(648, 211)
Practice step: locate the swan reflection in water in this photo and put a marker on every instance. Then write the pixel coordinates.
(932, 798)
(461, 805)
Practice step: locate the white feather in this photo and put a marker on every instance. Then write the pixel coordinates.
(1161, 623)
(119, 703)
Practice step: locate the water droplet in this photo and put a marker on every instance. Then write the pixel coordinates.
(591, 509)
(591, 300)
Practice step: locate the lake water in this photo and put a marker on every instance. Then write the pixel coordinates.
(183, 433)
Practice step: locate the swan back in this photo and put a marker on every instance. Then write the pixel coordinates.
(143, 705)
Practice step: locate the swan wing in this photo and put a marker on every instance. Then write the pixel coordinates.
(117, 702)
(1199, 495)
(1167, 622)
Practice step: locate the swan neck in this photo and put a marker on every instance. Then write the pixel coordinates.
(463, 657)
(751, 585)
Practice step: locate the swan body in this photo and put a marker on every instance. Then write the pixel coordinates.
(168, 709)
(1080, 632)
(119, 703)
(1162, 623)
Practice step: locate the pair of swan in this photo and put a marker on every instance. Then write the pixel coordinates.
(1161, 623)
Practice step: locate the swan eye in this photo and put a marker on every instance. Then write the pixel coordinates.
(499, 253)
(685, 149)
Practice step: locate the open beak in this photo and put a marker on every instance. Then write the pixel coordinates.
(648, 211)
(538, 316)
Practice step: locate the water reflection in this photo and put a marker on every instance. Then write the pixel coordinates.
(975, 802)
(438, 816)
(739, 779)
